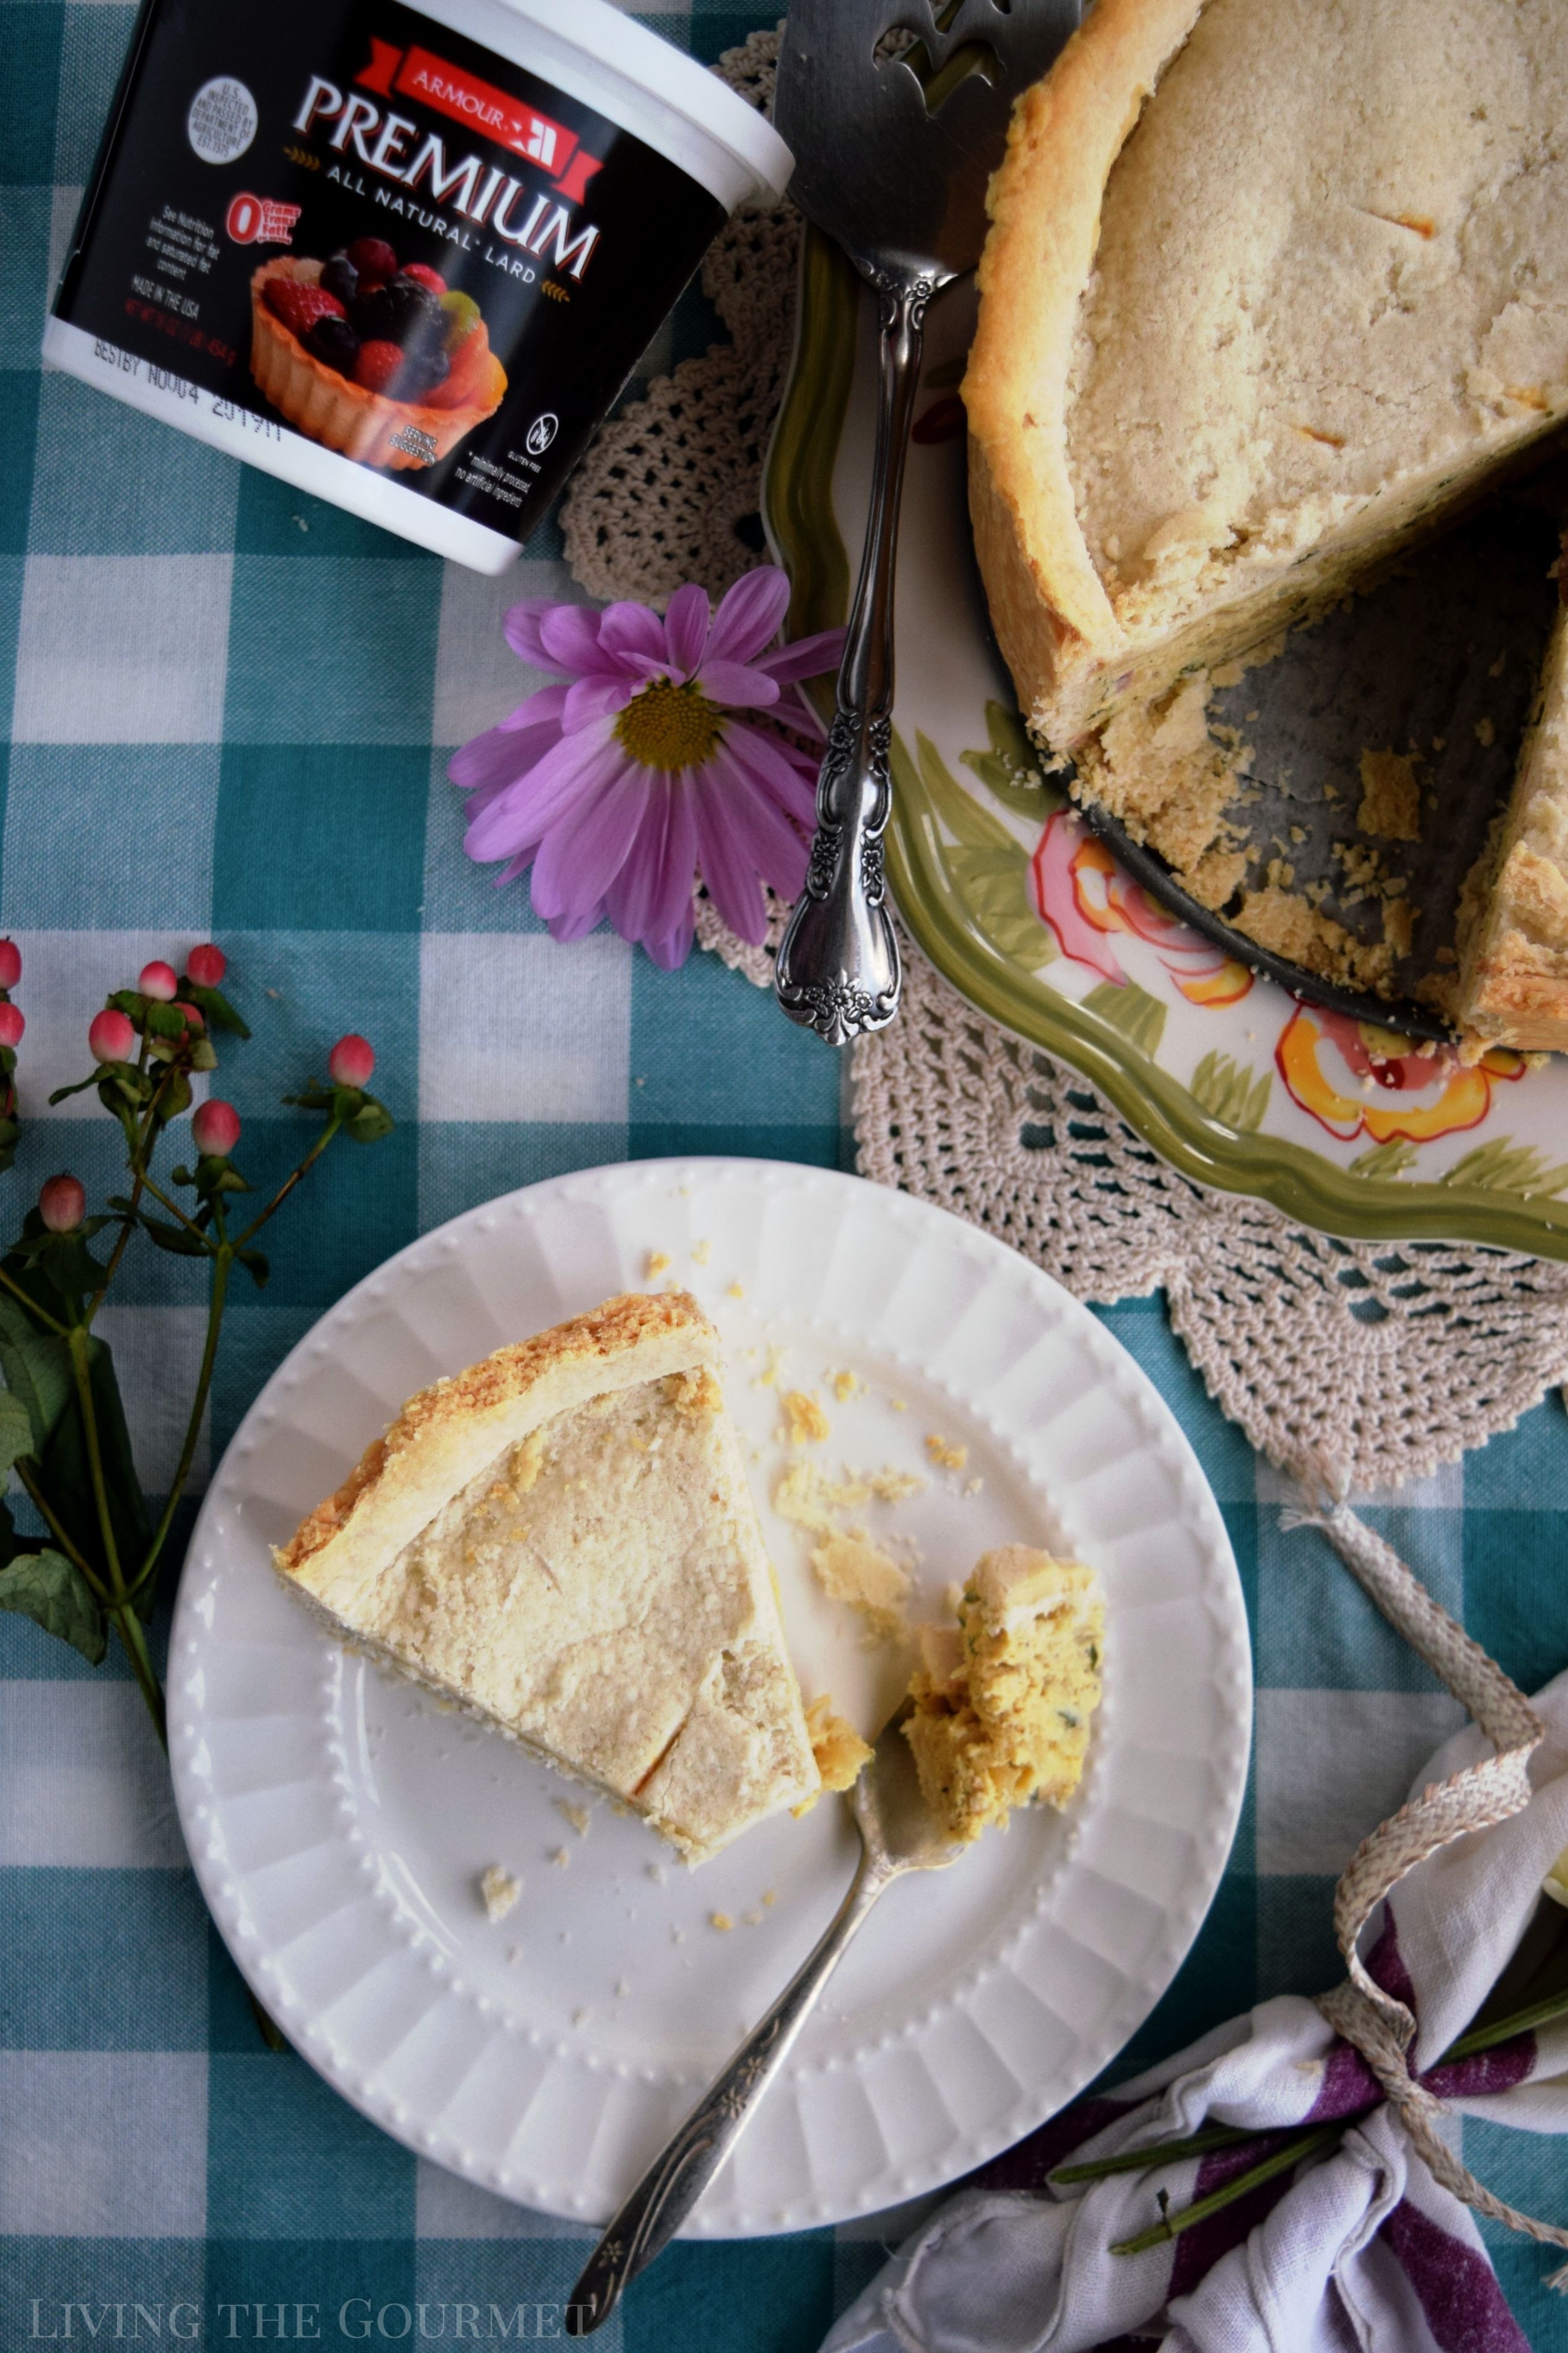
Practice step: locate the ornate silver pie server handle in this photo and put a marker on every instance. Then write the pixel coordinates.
(838, 967)
(678, 2176)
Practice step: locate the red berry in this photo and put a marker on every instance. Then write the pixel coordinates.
(299, 306)
(157, 981)
(189, 1016)
(10, 963)
(62, 1204)
(375, 261)
(206, 965)
(423, 275)
(11, 1024)
(215, 1130)
(351, 1062)
(111, 1037)
(378, 367)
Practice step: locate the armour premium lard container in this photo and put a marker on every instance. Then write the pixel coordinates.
(404, 258)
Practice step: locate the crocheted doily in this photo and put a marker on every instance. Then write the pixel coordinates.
(1372, 1361)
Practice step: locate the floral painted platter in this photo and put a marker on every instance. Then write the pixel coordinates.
(1345, 1125)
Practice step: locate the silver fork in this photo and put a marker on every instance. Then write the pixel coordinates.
(897, 1834)
(897, 113)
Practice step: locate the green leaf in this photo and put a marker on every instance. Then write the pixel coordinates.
(178, 1241)
(1229, 1093)
(64, 1471)
(16, 1432)
(80, 1087)
(370, 1123)
(1011, 769)
(37, 1367)
(46, 1588)
(164, 1021)
(176, 1096)
(1139, 1016)
(1390, 1159)
(1505, 1167)
(215, 1006)
(202, 1056)
(10, 1136)
(256, 1265)
(995, 886)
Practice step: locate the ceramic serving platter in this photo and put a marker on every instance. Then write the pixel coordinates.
(1345, 1125)
(340, 1819)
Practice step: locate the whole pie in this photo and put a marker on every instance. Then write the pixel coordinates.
(562, 1540)
(1271, 287)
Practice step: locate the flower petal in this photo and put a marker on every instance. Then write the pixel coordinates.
(677, 864)
(526, 809)
(786, 775)
(725, 864)
(587, 847)
(750, 615)
(569, 635)
(805, 657)
(687, 628)
(639, 890)
(633, 628)
(735, 685)
(565, 929)
(596, 698)
(778, 849)
(499, 757)
(670, 949)
(547, 704)
(521, 630)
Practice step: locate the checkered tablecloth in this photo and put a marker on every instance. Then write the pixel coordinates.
(230, 713)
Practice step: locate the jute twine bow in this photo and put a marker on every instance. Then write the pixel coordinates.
(1381, 2027)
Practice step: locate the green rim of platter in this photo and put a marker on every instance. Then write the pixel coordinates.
(798, 505)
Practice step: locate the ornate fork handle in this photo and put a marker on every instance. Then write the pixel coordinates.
(838, 968)
(687, 2163)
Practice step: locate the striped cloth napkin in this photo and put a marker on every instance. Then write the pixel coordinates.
(1361, 2248)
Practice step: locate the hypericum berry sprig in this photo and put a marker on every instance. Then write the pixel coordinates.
(62, 1426)
(12, 1024)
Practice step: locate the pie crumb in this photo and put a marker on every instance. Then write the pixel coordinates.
(722, 1921)
(657, 1263)
(560, 1857)
(701, 1254)
(805, 1423)
(579, 1817)
(498, 1891)
(1390, 798)
(946, 1453)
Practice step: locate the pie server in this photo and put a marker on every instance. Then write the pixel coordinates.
(897, 113)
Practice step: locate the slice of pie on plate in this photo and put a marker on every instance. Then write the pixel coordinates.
(562, 1540)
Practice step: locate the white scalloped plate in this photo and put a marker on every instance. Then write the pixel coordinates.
(338, 1819)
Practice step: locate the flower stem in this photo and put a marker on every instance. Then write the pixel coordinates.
(129, 1628)
(61, 1331)
(1295, 2152)
(1166, 2152)
(72, 1552)
(288, 1183)
(221, 1262)
(1504, 2030)
(78, 1340)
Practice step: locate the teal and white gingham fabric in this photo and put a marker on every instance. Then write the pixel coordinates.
(230, 709)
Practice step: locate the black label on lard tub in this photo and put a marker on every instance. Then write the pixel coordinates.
(350, 223)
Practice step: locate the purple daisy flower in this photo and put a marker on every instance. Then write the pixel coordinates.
(619, 784)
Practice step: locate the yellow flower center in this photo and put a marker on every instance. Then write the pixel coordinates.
(669, 727)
